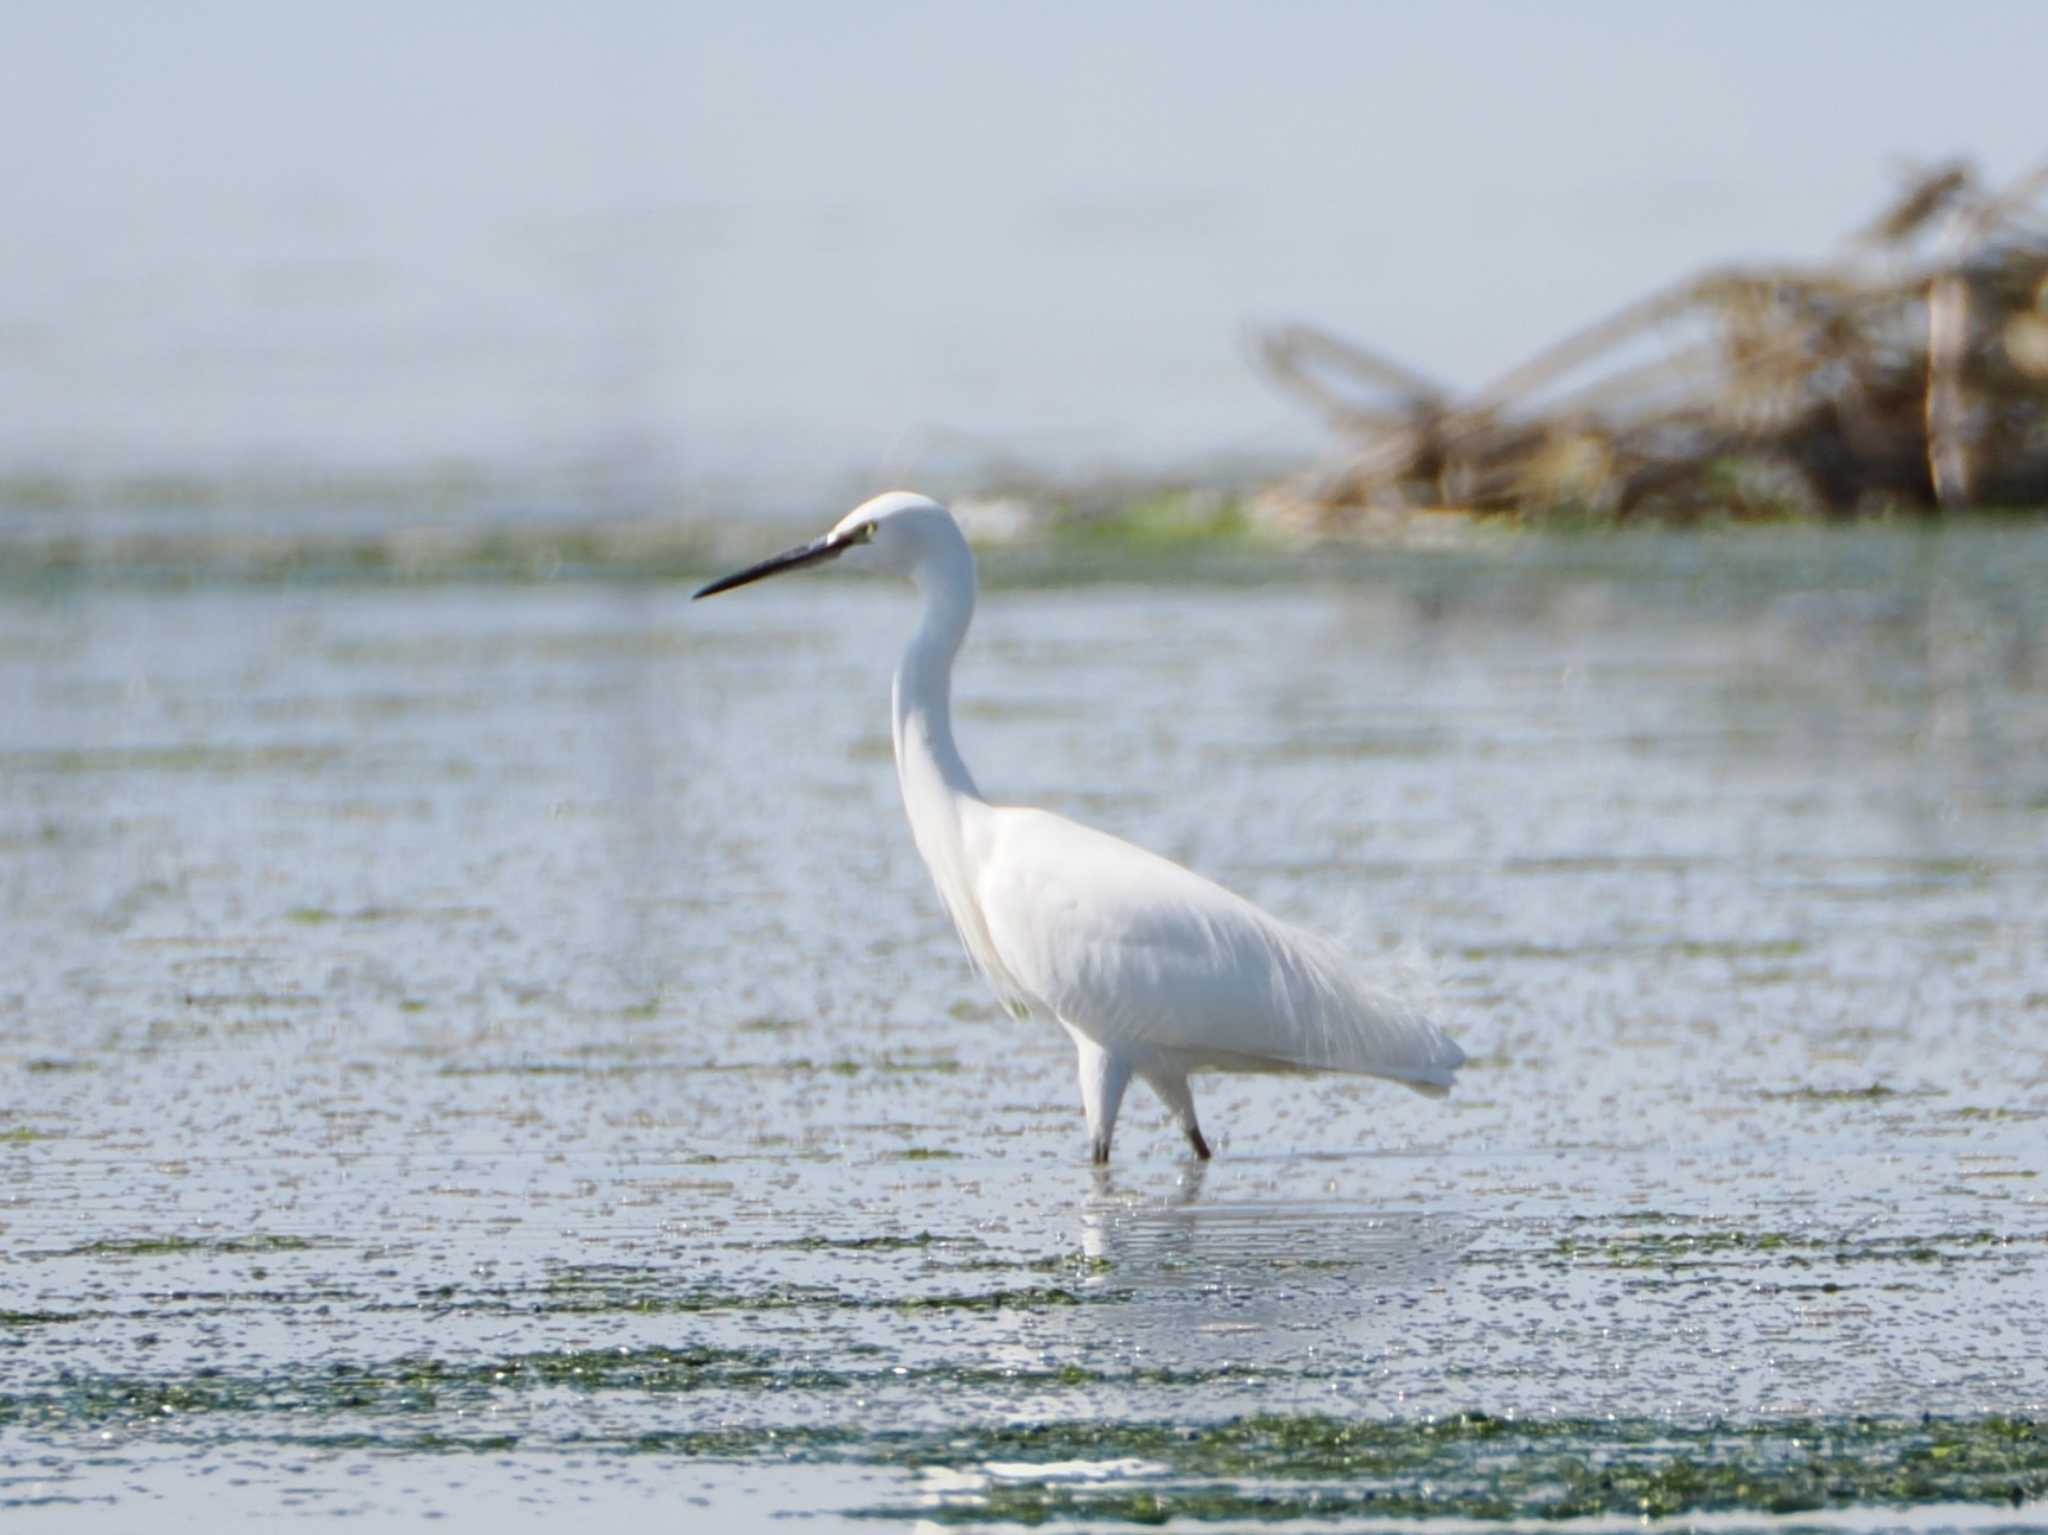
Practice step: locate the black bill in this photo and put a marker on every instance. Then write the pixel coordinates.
(816, 552)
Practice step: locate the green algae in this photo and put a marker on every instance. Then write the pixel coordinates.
(1257, 1468)
(176, 1246)
(411, 1384)
(884, 1242)
(229, 760)
(1876, 1092)
(1262, 1468)
(1732, 1246)
(598, 1290)
(1027, 1298)
(1643, 948)
(318, 916)
(801, 1065)
(242, 1404)
(1165, 517)
(1475, 1466)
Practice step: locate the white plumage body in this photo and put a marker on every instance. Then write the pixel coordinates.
(1154, 971)
(1138, 953)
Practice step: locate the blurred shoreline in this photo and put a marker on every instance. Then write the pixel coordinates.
(1906, 375)
(1074, 536)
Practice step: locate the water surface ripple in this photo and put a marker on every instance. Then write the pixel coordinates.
(477, 1050)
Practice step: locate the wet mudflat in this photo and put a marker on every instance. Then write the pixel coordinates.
(490, 1049)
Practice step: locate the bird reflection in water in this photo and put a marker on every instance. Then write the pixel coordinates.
(1257, 1281)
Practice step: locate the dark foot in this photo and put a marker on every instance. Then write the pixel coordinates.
(1098, 1153)
(1201, 1146)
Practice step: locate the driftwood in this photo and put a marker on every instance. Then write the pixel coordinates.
(1911, 373)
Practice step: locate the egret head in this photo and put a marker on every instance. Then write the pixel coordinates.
(896, 533)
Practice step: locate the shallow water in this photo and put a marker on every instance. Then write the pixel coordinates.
(482, 1050)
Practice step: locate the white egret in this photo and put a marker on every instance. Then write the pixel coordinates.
(1152, 970)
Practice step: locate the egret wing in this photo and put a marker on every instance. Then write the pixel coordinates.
(1134, 950)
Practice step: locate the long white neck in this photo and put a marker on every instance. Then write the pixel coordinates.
(948, 816)
(928, 764)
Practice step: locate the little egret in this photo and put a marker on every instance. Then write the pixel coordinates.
(1153, 971)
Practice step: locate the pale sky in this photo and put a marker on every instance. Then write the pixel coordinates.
(778, 247)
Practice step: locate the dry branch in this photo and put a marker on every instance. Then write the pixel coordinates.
(1912, 372)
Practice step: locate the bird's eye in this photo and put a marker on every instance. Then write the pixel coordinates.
(867, 532)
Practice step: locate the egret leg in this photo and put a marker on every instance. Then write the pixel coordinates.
(1172, 1089)
(1103, 1079)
